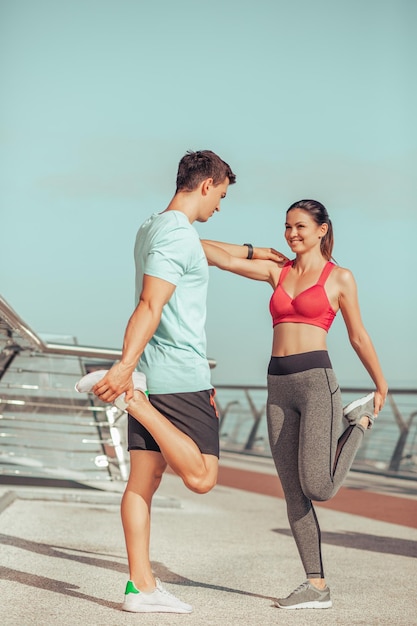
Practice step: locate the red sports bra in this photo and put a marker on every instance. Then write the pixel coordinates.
(311, 306)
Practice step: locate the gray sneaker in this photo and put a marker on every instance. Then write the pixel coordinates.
(157, 601)
(358, 408)
(306, 596)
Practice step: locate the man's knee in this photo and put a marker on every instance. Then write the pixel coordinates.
(200, 484)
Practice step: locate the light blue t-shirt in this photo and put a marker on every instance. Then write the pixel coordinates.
(168, 247)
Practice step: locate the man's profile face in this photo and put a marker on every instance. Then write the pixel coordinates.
(213, 198)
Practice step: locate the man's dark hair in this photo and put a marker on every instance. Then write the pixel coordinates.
(195, 167)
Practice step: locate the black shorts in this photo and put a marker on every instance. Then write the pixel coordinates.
(193, 413)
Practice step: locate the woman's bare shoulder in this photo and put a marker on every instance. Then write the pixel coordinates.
(343, 276)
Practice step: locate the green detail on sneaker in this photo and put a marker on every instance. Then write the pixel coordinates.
(157, 601)
(130, 588)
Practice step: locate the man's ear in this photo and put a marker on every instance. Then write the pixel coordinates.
(205, 186)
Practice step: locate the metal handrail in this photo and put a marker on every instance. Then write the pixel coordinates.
(15, 322)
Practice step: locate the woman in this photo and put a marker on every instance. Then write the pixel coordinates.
(304, 409)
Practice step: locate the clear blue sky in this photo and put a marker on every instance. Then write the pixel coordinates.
(101, 98)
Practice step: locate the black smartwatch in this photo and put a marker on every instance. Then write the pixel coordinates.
(250, 250)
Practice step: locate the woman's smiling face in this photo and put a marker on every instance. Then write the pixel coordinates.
(302, 232)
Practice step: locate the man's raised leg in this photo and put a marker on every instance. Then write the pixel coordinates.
(197, 470)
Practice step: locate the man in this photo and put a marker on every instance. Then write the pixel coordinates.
(178, 425)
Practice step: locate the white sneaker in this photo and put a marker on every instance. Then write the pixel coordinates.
(157, 601)
(87, 382)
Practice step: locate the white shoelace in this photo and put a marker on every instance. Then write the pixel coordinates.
(165, 591)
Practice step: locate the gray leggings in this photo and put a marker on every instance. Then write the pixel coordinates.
(312, 457)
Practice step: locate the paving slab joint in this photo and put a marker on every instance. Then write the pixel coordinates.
(7, 499)
(82, 497)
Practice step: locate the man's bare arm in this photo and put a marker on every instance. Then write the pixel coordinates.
(141, 327)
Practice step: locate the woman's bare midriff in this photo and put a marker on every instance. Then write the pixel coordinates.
(297, 338)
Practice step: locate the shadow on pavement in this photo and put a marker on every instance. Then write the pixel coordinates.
(63, 552)
(51, 584)
(171, 577)
(361, 541)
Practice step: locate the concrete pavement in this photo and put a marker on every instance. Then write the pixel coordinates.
(229, 553)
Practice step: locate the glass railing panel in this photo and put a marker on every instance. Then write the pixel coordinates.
(47, 429)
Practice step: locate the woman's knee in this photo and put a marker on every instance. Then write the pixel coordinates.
(318, 491)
